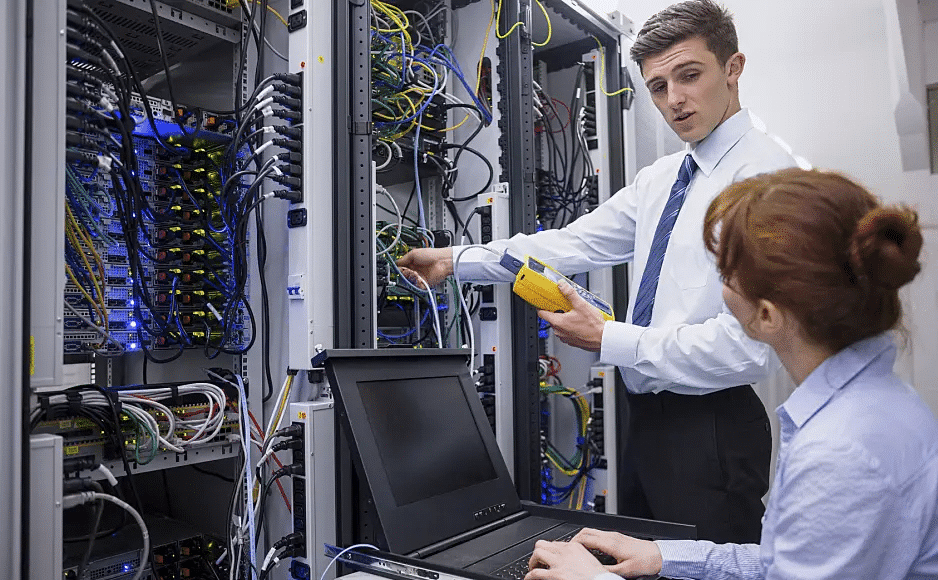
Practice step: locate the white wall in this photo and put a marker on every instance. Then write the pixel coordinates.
(824, 86)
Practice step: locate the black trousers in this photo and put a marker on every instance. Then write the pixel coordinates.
(698, 459)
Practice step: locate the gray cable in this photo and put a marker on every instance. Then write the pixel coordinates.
(400, 222)
(107, 336)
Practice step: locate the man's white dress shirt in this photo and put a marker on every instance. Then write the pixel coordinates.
(693, 344)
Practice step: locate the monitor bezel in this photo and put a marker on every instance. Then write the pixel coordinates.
(416, 525)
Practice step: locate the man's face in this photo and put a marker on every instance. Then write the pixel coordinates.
(691, 88)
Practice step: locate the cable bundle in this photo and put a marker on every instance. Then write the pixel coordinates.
(149, 259)
(584, 458)
(247, 503)
(157, 418)
(410, 70)
(565, 182)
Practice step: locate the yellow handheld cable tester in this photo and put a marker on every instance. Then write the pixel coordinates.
(537, 284)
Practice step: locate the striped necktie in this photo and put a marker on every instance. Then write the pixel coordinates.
(645, 299)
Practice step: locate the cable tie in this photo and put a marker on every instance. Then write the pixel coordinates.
(106, 104)
(104, 163)
(260, 149)
(264, 92)
(214, 312)
(74, 400)
(107, 474)
(114, 396)
(263, 103)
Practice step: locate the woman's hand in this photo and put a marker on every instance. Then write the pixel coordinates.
(562, 561)
(635, 557)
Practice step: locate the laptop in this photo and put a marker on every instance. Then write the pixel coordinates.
(441, 490)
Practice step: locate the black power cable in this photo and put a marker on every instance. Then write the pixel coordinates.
(169, 81)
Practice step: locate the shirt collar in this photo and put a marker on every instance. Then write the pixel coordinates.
(709, 151)
(834, 373)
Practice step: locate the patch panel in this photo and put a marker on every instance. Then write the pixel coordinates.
(82, 438)
(83, 336)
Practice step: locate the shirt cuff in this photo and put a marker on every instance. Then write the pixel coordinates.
(682, 558)
(478, 265)
(620, 343)
(607, 576)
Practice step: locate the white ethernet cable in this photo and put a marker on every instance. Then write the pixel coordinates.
(462, 300)
(90, 496)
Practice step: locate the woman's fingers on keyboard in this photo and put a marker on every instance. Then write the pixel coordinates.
(541, 556)
(592, 539)
(563, 561)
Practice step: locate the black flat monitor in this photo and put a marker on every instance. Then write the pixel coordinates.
(423, 442)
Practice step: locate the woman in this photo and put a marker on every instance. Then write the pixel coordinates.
(812, 264)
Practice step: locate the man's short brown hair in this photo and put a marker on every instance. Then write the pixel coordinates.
(678, 22)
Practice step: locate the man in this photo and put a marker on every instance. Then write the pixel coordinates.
(699, 443)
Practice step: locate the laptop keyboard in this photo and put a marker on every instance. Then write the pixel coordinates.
(518, 569)
(514, 571)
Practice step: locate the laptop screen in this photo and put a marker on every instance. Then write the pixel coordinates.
(428, 443)
(421, 439)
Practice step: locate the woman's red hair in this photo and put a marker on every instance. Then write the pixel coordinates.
(818, 245)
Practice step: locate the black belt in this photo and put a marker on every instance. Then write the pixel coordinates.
(670, 400)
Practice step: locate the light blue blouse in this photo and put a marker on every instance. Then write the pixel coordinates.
(856, 485)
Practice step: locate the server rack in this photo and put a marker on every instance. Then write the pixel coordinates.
(587, 59)
(516, 169)
(202, 42)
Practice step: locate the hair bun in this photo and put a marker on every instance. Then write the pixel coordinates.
(885, 247)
